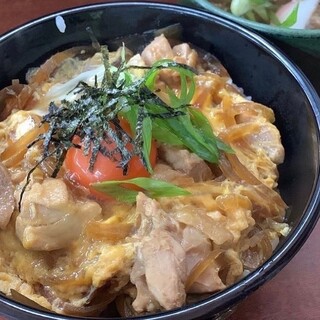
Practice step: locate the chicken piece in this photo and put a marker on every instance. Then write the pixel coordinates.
(186, 162)
(165, 173)
(235, 270)
(50, 219)
(16, 96)
(209, 62)
(185, 55)
(208, 281)
(158, 49)
(159, 270)
(152, 217)
(257, 145)
(188, 213)
(221, 211)
(16, 126)
(137, 60)
(268, 139)
(144, 301)
(6, 197)
(196, 244)
(16, 133)
(165, 268)
(166, 256)
(197, 247)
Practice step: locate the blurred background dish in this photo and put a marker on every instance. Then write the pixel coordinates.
(307, 40)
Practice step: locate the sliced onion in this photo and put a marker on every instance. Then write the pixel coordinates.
(227, 169)
(15, 151)
(97, 300)
(124, 306)
(43, 73)
(16, 96)
(6, 197)
(256, 109)
(266, 202)
(201, 267)
(65, 90)
(214, 230)
(257, 250)
(231, 267)
(236, 171)
(238, 131)
(228, 112)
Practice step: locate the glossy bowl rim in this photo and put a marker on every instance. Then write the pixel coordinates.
(262, 27)
(296, 238)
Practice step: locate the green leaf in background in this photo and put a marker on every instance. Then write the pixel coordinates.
(151, 187)
(255, 10)
(240, 7)
(263, 13)
(292, 18)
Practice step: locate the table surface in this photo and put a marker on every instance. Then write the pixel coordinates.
(292, 294)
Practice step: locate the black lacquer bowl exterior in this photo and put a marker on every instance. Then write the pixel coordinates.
(254, 64)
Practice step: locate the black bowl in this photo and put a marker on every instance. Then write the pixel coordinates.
(254, 64)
